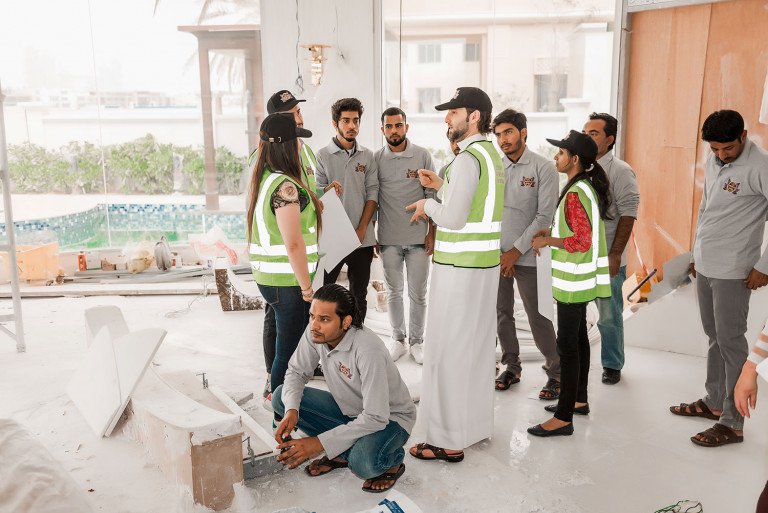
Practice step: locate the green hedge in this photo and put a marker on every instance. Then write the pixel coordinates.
(143, 166)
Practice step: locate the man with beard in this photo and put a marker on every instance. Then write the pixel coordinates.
(728, 266)
(400, 242)
(457, 382)
(351, 170)
(365, 417)
(530, 200)
(625, 201)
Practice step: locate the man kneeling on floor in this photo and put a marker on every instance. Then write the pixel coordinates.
(365, 419)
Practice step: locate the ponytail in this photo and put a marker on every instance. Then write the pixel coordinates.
(597, 176)
(599, 180)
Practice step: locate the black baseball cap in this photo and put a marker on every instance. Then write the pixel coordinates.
(578, 143)
(470, 98)
(280, 127)
(282, 101)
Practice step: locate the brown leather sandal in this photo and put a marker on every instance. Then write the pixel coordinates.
(386, 476)
(716, 436)
(324, 462)
(550, 391)
(689, 410)
(438, 453)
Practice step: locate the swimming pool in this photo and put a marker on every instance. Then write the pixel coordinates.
(116, 224)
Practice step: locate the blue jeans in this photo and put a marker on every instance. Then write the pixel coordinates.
(291, 319)
(269, 337)
(371, 455)
(611, 323)
(417, 266)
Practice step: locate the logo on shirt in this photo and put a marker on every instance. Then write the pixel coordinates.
(345, 370)
(731, 186)
(411, 173)
(360, 168)
(528, 181)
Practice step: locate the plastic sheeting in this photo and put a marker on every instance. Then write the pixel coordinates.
(31, 480)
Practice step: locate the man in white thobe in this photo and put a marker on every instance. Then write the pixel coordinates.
(456, 405)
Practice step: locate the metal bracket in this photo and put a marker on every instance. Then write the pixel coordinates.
(205, 380)
(251, 454)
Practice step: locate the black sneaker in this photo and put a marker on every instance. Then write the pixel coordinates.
(611, 376)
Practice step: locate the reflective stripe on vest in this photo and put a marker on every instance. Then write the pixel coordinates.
(580, 277)
(255, 249)
(477, 244)
(279, 267)
(268, 253)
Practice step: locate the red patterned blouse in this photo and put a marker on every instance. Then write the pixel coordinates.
(578, 221)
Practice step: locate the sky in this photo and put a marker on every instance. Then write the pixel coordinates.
(47, 44)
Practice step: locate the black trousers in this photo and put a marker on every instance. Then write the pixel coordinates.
(573, 348)
(359, 273)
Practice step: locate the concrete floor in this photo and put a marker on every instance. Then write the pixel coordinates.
(630, 455)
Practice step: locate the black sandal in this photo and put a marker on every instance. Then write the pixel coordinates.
(437, 452)
(324, 462)
(386, 476)
(506, 379)
(550, 391)
(716, 436)
(689, 410)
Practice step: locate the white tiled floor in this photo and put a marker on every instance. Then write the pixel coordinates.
(630, 455)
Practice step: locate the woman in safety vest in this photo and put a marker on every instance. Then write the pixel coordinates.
(283, 223)
(579, 271)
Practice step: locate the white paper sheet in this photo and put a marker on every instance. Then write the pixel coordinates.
(338, 237)
(317, 281)
(109, 372)
(544, 283)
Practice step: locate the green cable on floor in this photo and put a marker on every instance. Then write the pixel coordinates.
(683, 506)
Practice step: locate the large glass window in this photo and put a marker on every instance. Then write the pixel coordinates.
(104, 122)
(428, 98)
(548, 90)
(429, 53)
(472, 52)
(550, 59)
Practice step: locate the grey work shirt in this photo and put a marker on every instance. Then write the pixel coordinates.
(359, 178)
(530, 201)
(363, 381)
(457, 197)
(732, 216)
(399, 187)
(625, 197)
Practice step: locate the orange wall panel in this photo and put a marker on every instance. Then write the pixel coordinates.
(735, 72)
(665, 79)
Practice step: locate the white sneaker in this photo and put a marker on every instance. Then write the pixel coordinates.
(267, 403)
(417, 351)
(397, 348)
